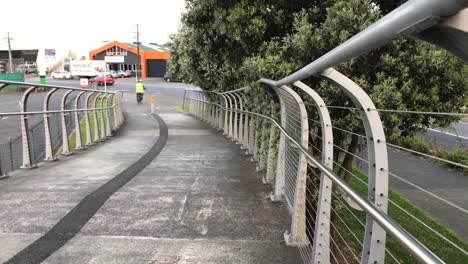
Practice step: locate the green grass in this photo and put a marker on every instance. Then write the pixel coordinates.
(415, 143)
(10, 89)
(72, 138)
(436, 244)
(182, 108)
(458, 155)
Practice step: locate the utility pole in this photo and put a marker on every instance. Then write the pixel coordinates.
(9, 52)
(138, 51)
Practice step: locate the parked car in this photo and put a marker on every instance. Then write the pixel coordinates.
(169, 77)
(124, 74)
(61, 74)
(26, 68)
(114, 74)
(100, 80)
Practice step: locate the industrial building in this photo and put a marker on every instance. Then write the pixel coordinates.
(124, 56)
(19, 59)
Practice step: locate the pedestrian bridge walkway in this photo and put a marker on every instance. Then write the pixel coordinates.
(178, 187)
(199, 200)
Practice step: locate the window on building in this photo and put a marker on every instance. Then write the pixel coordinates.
(116, 51)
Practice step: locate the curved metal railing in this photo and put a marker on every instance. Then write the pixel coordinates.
(302, 174)
(197, 104)
(76, 106)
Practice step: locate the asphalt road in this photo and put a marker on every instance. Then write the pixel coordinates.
(456, 136)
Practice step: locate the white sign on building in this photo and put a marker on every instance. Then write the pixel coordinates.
(114, 59)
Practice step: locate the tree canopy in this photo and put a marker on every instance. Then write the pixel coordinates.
(224, 45)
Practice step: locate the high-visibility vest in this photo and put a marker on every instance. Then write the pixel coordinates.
(140, 88)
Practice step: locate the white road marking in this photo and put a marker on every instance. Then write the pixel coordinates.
(447, 133)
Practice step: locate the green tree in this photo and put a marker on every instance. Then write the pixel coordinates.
(224, 45)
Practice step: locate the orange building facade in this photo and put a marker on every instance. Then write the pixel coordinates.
(123, 56)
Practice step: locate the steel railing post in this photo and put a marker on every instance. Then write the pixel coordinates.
(65, 141)
(235, 131)
(217, 115)
(89, 141)
(251, 135)
(211, 112)
(97, 136)
(27, 153)
(183, 101)
(375, 235)
(278, 192)
(231, 117)
(197, 105)
(297, 236)
(269, 168)
(321, 252)
(247, 134)
(49, 151)
(114, 110)
(262, 147)
(240, 133)
(204, 107)
(200, 105)
(254, 139)
(246, 127)
(101, 117)
(108, 121)
(225, 116)
(79, 145)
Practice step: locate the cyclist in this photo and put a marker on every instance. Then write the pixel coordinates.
(140, 89)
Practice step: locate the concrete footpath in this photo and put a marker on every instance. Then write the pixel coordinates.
(199, 201)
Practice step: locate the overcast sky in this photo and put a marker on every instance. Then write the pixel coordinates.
(83, 25)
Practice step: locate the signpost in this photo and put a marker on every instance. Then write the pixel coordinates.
(84, 82)
(152, 100)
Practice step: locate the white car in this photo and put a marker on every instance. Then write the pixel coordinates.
(61, 75)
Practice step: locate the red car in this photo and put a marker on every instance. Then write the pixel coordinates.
(100, 80)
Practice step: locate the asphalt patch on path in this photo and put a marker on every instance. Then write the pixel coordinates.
(74, 221)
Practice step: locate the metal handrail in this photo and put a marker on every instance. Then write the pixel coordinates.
(410, 18)
(415, 247)
(51, 86)
(55, 111)
(429, 20)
